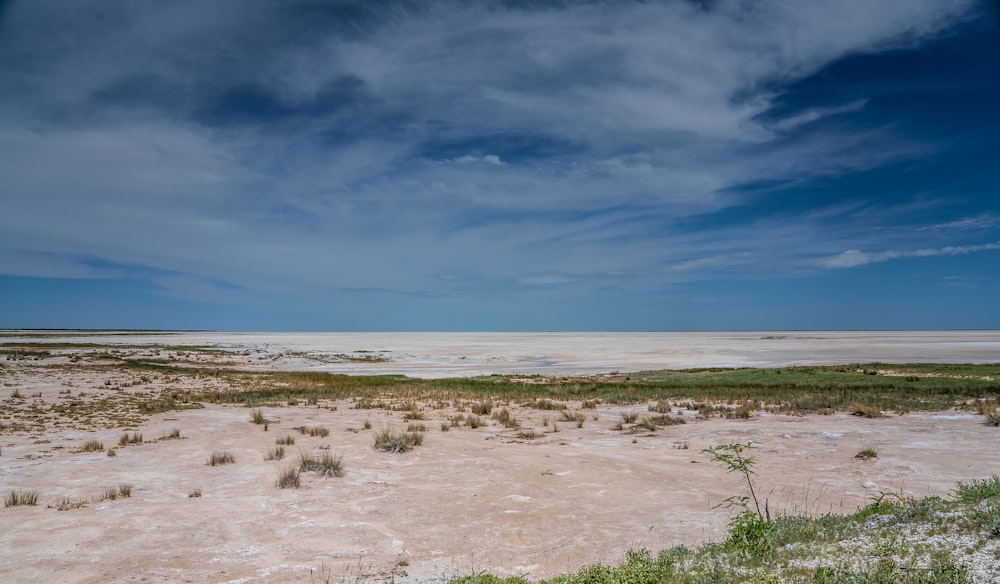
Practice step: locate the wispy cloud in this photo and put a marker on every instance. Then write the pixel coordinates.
(853, 258)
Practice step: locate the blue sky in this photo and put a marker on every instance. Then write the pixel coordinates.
(499, 165)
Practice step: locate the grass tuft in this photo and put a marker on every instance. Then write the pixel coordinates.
(276, 453)
(867, 454)
(92, 446)
(289, 479)
(130, 438)
(19, 498)
(221, 457)
(394, 441)
(326, 464)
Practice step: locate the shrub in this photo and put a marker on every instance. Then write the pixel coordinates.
(866, 454)
(393, 441)
(174, 434)
(326, 465)
(220, 458)
(286, 441)
(112, 452)
(257, 417)
(276, 453)
(473, 421)
(414, 415)
(865, 410)
(629, 417)
(92, 446)
(978, 490)
(416, 428)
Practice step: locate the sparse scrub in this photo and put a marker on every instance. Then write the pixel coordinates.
(866, 454)
(221, 457)
(416, 428)
(122, 491)
(414, 415)
(473, 421)
(112, 452)
(527, 434)
(629, 417)
(257, 417)
(19, 498)
(174, 434)
(865, 410)
(276, 453)
(394, 441)
(326, 464)
(287, 440)
(368, 425)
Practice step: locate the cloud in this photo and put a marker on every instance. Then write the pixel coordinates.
(299, 147)
(853, 258)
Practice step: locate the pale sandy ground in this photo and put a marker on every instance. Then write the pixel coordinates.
(465, 354)
(466, 500)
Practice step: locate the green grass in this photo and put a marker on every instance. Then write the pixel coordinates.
(866, 454)
(893, 540)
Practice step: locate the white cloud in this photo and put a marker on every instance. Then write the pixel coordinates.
(853, 258)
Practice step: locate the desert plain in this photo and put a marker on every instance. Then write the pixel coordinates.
(552, 483)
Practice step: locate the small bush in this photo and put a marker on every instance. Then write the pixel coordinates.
(257, 417)
(629, 417)
(866, 454)
(865, 410)
(92, 446)
(289, 479)
(276, 453)
(18, 498)
(473, 421)
(220, 458)
(326, 465)
(393, 441)
(112, 452)
(286, 441)
(174, 434)
(978, 490)
(416, 428)
(414, 415)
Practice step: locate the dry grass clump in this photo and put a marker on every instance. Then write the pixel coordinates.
(221, 457)
(395, 441)
(194, 493)
(661, 407)
(503, 416)
(19, 498)
(473, 421)
(285, 441)
(122, 491)
(173, 435)
(314, 431)
(544, 404)
(629, 417)
(414, 415)
(65, 504)
(130, 438)
(865, 410)
(289, 479)
(276, 453)
(482, 408)
(866, 454)
(327, 465)
(416, 428)
(257, 417)
(92, 446)
(527, 434)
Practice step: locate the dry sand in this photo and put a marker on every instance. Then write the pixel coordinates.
(466, 500)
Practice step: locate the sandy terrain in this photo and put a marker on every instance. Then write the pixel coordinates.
(465, 354)
(468, 499)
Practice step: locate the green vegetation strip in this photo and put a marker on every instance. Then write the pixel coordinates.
(891, 540)
(856, 388)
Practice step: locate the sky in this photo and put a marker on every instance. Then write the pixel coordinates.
(511, 165)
